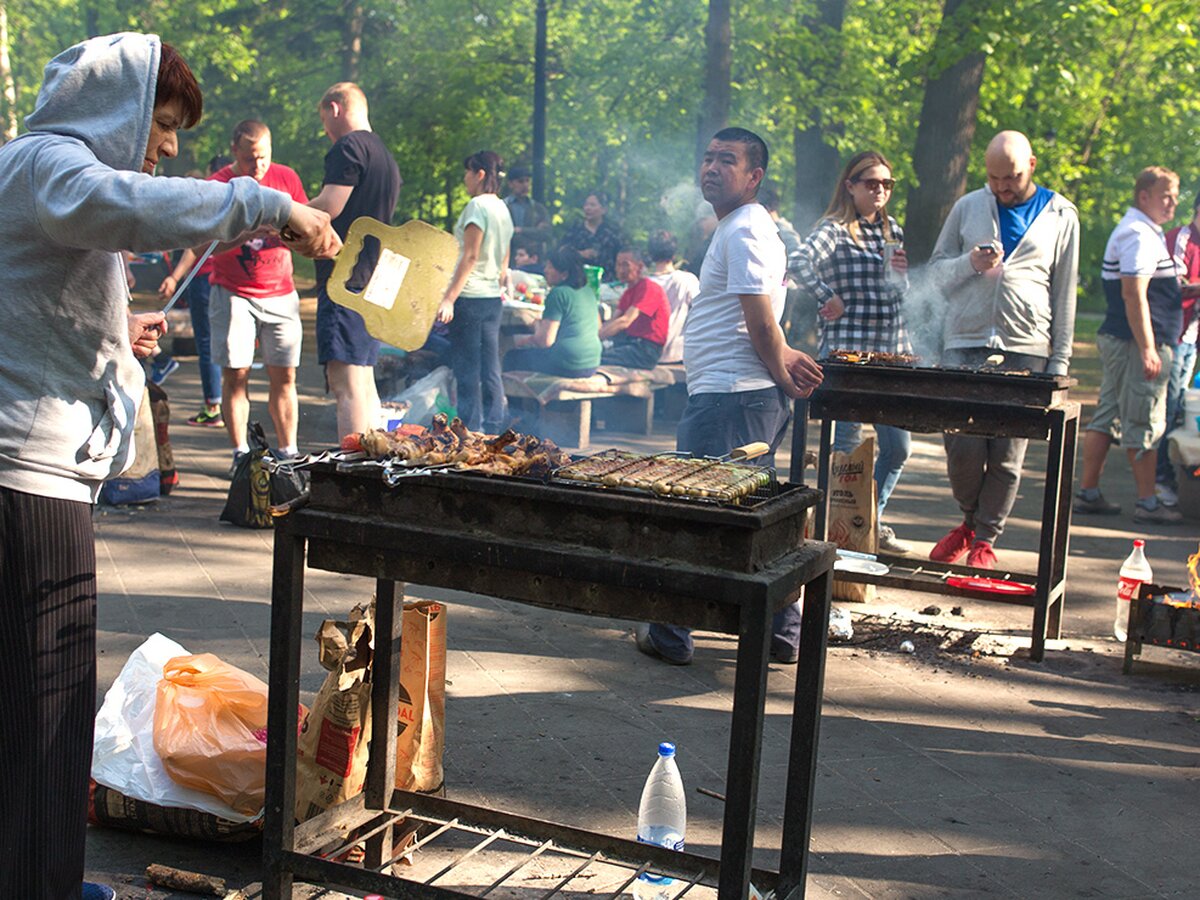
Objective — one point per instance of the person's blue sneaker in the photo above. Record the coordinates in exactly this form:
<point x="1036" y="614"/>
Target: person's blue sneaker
<point x="159" y="373"/>
<point x="93" y="891"/>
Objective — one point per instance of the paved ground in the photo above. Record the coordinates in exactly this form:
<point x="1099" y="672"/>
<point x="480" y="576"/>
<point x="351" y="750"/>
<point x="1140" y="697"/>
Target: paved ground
<point x="960" y="770"/>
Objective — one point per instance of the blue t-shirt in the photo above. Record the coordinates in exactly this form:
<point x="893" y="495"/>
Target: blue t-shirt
<point x="1015" y="220"/>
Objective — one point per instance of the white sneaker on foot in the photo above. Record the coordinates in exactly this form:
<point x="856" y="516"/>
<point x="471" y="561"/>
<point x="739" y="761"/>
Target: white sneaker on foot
<point x="1166" y="495"/>
<point x="888" y="542"/>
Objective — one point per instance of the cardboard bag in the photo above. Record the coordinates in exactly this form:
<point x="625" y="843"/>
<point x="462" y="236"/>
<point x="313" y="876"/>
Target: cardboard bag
<point x="335" y="740"/>
<point x="421" y="730"/>
<point x="331" y="751"/>
<point x="852" y="512"/>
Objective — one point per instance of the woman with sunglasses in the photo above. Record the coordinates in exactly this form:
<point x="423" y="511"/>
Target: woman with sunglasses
<point x="860" y="300"/>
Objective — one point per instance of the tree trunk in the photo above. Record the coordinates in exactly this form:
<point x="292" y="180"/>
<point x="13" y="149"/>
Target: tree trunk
<point x="91" y="20"/>
<point x="352" y="35"/>
<point x="6" y="80"/>
<point x="945" y="131"/>
<point x="718" y="66"/>
<point x="816" y="162"/>
<point x="539" y="105"/>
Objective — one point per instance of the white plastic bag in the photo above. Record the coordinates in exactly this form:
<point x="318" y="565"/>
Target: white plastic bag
<point x="422" y="396"/>
<point x="123" y="755"/>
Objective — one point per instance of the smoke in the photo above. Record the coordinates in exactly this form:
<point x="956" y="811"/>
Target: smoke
<point x="924" y="310"/>
<point x="682" y="206"/>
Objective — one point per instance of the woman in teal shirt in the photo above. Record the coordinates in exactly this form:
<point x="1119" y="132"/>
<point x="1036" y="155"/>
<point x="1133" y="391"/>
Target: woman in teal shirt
<point x="567" y="339"/>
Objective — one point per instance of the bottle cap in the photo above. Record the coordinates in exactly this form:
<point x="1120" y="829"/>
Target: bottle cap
<point x="1139" y="543"/>
<point x="666" y="748"/>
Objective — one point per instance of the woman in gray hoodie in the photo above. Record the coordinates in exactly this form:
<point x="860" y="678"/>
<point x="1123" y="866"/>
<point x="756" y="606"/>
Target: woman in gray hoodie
<point x="78" y="188"/>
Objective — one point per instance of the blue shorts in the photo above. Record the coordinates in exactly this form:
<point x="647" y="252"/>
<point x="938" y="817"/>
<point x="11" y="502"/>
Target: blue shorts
<point x="342" y="335"/>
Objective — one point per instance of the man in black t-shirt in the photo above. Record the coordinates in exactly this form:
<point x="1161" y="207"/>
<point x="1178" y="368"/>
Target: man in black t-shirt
<point x="361" y="179"/>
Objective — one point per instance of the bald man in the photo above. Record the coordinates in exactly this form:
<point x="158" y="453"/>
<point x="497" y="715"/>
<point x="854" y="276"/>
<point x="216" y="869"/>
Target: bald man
<point x="1006" y="261"/>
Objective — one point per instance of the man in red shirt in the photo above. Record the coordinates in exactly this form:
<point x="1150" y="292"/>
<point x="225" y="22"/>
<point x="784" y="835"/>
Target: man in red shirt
<point x="639" y="329"/>
<point x="253" y="298"/>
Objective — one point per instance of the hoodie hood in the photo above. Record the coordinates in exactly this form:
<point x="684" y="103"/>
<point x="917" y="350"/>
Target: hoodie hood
<point x="101" y="92"/>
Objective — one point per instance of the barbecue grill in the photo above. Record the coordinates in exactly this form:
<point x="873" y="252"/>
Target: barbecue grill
<point x="606" y="550"/>
<point x="987" y="402"/>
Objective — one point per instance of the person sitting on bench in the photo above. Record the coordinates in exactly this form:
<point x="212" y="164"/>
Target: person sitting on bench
<point x="639" y="329"/>
<point x="567" y="340"/>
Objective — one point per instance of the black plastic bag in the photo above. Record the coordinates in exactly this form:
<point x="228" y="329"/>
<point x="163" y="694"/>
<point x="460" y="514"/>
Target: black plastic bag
<point x="254" y="490"/>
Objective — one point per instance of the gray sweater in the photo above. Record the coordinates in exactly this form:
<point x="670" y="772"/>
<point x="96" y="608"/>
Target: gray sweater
<point x="1030" y="307"/>
<point x="74" y="195"/>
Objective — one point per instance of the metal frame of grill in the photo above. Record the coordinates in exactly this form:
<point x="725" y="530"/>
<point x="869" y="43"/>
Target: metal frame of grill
<point x="451" y="531"/>
<point x="983" y="403"/>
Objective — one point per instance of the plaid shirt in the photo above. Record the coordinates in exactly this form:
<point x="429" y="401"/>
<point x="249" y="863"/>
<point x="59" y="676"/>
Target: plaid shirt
<point x="830" y="262"/>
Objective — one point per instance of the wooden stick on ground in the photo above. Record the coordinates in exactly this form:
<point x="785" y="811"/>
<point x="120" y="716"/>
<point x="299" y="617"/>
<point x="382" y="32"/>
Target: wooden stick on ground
<point x="178" y="879"/>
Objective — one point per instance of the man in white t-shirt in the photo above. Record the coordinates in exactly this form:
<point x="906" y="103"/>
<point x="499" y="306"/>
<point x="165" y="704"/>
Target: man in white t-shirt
<point x="740" y="371"/>
<point x="1136" y="341"/>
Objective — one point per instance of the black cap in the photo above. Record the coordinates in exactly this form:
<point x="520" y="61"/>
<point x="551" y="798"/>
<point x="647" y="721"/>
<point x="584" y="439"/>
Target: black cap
<point x="516" y="173"/>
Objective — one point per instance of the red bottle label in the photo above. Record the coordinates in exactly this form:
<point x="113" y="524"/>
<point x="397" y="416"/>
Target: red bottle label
<point x="1127" y="587"/>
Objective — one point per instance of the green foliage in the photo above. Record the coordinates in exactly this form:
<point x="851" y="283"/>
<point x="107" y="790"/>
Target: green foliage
<point x="1102" y="87"/>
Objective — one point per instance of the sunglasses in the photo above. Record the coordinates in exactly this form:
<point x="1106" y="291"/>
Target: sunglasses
<point x="874" y="184"/>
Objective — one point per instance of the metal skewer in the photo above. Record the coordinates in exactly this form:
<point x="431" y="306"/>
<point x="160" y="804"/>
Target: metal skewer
<point x="190" y="275"/>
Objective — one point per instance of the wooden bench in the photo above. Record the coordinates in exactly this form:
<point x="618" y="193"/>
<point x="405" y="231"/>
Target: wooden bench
<point x="624" y="398"/>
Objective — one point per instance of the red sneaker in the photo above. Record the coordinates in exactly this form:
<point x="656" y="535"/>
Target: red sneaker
<point x="981" y="556"/>
<point x="952" y="547"/>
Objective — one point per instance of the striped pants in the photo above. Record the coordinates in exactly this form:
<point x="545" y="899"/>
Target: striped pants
<point x="47" y="692"/>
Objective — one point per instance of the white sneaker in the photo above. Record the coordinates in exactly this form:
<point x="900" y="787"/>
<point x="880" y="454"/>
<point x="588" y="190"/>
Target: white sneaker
<point x="1166" y="495"/>
<point x="888" y="542"/>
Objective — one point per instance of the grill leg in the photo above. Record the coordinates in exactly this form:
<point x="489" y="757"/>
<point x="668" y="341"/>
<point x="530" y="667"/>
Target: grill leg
<point x="806" y="721"/>
<point x="824" y="453"/>
<point x="745" y="749"/>
<point x="799" y="440"/>
<point x="287" y="612"/>
<point x="385" y="699"/>
<point x="1052" y="547"/>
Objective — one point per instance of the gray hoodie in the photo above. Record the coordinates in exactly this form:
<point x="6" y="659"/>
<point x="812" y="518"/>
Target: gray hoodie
<point x="74" y="195"/>
<point x="1030" y="306"/>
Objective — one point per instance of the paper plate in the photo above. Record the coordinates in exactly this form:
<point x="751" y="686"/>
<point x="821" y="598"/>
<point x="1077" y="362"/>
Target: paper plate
<point x="992" y="585"/>
<point x="861" y="566"/>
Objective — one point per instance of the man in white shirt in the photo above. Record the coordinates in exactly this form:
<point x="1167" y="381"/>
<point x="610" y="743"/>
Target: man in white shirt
<point x="740" y="371"/>
<point x="1136" y="341"/>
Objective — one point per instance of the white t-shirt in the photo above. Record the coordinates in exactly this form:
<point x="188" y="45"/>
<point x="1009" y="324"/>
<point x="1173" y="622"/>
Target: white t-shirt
<point x="490" y="213"/>
<point x="681" y="288"/>
<point x="745" y="256"/>
<point x="1137" y="247"/>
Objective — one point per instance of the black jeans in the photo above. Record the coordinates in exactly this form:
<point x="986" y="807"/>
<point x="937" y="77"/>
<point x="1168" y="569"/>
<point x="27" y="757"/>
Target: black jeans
<point x="475" y="358"/>
<point x="48" y="685"/>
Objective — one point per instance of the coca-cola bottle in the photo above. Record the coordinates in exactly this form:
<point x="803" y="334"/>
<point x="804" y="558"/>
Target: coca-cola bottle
<point x="1135" y="572"/>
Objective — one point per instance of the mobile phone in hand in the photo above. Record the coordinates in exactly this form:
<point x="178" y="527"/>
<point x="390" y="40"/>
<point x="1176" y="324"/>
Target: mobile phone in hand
<point x="986" y="248"/>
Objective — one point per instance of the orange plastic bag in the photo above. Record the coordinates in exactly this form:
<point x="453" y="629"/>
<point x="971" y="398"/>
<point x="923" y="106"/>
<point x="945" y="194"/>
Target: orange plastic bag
<point x="210" y="729"/>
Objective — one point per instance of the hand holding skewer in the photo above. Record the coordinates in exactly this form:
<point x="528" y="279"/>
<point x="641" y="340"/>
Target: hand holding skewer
<point x="309" y="233"/>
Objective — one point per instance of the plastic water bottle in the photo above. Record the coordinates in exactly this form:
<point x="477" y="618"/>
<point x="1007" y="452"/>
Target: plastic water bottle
<point x="1135" y="572"/>
<point x="662" y="819"/>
